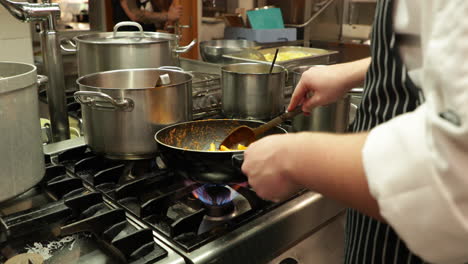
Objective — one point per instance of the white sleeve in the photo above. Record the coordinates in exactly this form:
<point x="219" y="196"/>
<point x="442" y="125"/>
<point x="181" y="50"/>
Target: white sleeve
<point x="417" y="164"/>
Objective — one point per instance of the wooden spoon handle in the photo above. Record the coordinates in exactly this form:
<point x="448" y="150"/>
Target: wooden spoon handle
<point x="276" y="121"/>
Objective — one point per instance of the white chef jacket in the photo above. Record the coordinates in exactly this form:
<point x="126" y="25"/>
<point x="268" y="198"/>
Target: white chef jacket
<point x="417" y="163"/>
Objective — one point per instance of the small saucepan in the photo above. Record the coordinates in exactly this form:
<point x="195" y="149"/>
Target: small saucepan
<point x="184" y="147"/>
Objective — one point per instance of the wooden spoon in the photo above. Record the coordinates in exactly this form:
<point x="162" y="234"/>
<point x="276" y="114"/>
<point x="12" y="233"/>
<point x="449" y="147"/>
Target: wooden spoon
<point x="245" y="135"/>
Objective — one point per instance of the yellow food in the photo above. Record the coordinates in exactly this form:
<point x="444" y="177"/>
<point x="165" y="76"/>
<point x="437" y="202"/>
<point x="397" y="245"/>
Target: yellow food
<point x="224" y="148"/>
<point x="286" y="55"/>
<point x="212" y="147"/>
<point x="241" y="147"/>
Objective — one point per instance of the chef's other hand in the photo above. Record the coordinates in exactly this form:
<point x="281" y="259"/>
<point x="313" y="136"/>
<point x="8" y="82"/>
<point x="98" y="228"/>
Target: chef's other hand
<point x="174" y="13"/>
<point x="266" y="166"/>
<point x="326" y="84"/>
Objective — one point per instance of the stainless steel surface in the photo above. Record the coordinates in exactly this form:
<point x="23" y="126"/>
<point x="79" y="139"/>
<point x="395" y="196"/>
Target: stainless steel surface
<point x="330" y="118"/>
<point x="126" y="50"/>
<point x="56" y="148"/>
<point x="266" y="237"/>
<point x="324" y="246"/>
<point x="249" y="92"/>
<point x="47" y="14"/>
<point x="97" y="15"/>
<point x="21" y="158"/>
<point x="122" y="110"/>
<point x="201" y="66"/>
<point x="213" y="50"/>
<point x="313" y="57"/>
<point x="321" y="8"/>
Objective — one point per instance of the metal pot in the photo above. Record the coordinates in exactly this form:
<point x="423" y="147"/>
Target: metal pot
<point x="184" y="147"/>
<point x="21" y="158"/>
<point x="328" y="118"/>
<point x="249" y="92"/>
<point x="122" y="109"/>
<point x="126" y="50"/>
<point x="213" y="50"/>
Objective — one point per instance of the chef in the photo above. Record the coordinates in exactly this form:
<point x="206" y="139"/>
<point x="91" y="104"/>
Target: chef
<point x="404" y="172"/>
<point x="151" y="14"/>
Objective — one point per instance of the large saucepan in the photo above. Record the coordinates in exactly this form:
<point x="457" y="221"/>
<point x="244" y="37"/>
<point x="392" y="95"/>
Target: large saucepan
<point x="333" y="117"/>
<point x="250" y="92"/>
<point x="106" y="51"/>
<point x="184" y="147"/>
<point x="122" y="109"/>
<point x="21" y="156"/>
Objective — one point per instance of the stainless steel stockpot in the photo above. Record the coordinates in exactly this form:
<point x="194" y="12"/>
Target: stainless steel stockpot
<point x="249" y="92"/>
<point x="122" y="109"/>
<point x="21" y="155"/>
<point x="333" y="117"/>
<point x="116" y="50"/>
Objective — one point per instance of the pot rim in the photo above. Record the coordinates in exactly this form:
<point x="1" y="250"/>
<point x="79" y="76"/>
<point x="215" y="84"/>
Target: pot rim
<point x="201" y="121"/>
<point x="149" y="38"/>
<point x="131" y="89"/>
<point x="19" y="80"/>
<point x="223" y="69"/>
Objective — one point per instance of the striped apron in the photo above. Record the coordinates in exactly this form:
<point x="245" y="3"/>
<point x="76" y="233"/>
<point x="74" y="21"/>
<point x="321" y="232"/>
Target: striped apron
<point x="388" y="92"/>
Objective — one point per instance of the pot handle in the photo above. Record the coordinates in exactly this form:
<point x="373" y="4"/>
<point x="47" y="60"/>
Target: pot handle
<point x="41" y="80"/>
<point x="128" y="23"/>
<point x="89" y="98"/>
<point x="184" y="49"/>
<point x="71" y="43"/>
<point x="237" y="160"/>
<point x="174" y="68"/>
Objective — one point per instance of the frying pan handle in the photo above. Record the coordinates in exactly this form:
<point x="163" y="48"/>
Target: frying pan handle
<point x="237" y="160"/>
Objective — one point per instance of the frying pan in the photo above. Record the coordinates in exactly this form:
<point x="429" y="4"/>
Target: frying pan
<point x="184" y="148"/>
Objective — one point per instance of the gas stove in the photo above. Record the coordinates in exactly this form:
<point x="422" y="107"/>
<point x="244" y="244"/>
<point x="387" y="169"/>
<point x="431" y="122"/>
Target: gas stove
<point x="89" y="209"/>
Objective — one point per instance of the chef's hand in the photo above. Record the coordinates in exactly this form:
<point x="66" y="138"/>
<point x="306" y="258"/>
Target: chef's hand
<point x="324" y="85"/>
<point x="174" y="13"/>
<point x="266" y="166"/>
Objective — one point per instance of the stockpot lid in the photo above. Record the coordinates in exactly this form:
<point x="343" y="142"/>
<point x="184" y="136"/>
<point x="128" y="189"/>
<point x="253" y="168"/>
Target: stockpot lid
<point x="126" y="37"/>
<point x="14" y="76"/>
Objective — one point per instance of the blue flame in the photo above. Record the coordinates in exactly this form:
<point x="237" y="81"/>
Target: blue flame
<point x="203" y="196"/>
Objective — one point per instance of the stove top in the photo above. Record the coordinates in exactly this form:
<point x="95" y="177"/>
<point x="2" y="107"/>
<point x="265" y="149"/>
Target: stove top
<point x="89" y="209"/>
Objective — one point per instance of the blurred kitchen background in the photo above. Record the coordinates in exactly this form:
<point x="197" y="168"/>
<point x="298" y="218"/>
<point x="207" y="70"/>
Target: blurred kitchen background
<point x="342" y="25"/>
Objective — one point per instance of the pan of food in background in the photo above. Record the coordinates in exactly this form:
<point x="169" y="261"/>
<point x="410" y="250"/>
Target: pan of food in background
<point x="288" y="56"/>
<point x="185" y="147"/>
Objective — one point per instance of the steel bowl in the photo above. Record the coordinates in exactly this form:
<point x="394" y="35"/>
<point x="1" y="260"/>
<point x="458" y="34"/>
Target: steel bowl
<point x="213" y="50"/>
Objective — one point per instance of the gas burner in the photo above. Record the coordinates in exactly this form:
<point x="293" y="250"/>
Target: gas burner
<point x="219" y="210"/>
<point x="141" y="168"/>
<point x="214" y="194"/>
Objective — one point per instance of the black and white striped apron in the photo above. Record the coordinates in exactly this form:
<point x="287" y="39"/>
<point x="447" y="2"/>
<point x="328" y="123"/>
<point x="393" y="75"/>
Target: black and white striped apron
<point x="388" y="92"/>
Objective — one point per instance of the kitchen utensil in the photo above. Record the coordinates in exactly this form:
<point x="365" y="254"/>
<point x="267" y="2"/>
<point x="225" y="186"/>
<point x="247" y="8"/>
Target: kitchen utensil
<point x="333" y="117"/>
<point x="274" y="60"/>
<point x="184" y="148"/>
<point x="122" y="109"/>
<point x="250" y="92"/>
<point x="106" y="51"/>
<point x="21" y="157"/>
<point x="245" y="135"/>
<point x="163" y="79"/>
<point x="213" y="50"/>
